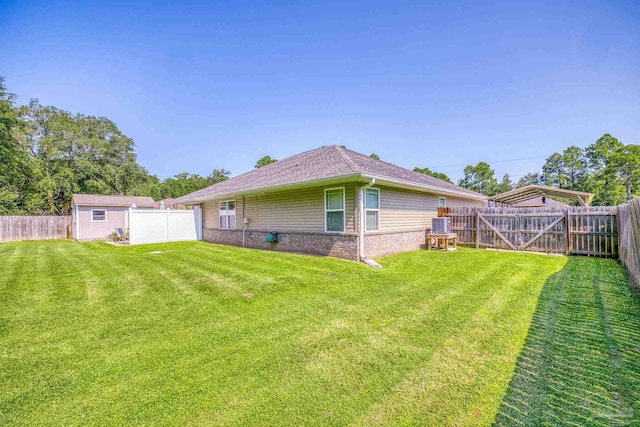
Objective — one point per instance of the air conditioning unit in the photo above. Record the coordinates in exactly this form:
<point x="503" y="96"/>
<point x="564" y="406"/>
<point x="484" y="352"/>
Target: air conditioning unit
<point x="440" y="225"/>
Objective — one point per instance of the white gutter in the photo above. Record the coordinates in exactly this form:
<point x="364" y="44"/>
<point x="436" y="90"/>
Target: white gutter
<point x="434" y="189"/>
<point x="361" y="227"/>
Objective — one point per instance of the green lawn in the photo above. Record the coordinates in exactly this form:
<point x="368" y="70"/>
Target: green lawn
<point x="581" y="362"/>
<point x="92" y="334"/>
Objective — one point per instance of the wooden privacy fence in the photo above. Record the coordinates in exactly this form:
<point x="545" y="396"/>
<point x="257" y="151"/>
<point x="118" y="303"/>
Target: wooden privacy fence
<point x="575" y="230"/>
<point x="15" y="228"/>
<point x="629" y="224"/>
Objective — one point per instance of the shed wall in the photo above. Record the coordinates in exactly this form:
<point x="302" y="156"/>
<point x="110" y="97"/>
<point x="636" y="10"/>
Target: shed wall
<point x="87" y="230"/>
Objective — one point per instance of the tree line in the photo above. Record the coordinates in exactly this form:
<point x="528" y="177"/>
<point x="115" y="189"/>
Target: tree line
<point x="48" y="154"/>
<point x="608" y="168"/>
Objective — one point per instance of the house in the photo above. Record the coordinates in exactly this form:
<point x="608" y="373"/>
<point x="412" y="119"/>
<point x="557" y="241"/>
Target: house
<point x="328" y="201"/>
<point x="540" y="202"/>
<point x="96" y="216"/>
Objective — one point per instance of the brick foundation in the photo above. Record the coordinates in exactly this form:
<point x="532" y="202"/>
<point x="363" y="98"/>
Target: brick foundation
<point x="335" y="245"/>
<point x="385" y="243"/>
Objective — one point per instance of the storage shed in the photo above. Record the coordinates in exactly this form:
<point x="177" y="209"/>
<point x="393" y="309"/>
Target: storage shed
<point x="96" y="216"/>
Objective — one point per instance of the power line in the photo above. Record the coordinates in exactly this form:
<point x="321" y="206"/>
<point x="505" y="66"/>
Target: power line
<point x="497" y="161"/>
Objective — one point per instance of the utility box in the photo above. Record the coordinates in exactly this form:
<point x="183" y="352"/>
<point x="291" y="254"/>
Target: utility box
<point x="441" y="225"/>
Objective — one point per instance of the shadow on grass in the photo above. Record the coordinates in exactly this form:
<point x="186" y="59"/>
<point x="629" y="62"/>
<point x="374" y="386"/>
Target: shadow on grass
<point x="581" y="361"/>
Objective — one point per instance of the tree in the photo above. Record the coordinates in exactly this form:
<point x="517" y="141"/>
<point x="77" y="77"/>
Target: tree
<point x="439" y="175"/>
<point x="566" y="170"/>
<point x="624" y="163"/>
<point x="598" y="152"/>
<point x="179" y="184"/>
<point x="529" y="179"/>
<point x="505" y="185"/>
<point x="182" y="183"/>
<point x="264" y="161"/>
<point x="218" y="175"/>
<point x="374" y="156"/>
<point x="71" y="153"/>
<point x="602" y="181"/>
<point x="13" y="167"/>
<point x="479" y="178"/>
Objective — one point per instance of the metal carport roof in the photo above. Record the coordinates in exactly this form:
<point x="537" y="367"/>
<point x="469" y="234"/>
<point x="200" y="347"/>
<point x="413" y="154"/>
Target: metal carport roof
<point x="531" y="191"/>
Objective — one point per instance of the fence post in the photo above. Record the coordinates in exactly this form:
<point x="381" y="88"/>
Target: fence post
<point x="168" y="224"/>
<point x="477" y="228"/>
<point x="567" y="227"/>
<point x="130" y="222"/>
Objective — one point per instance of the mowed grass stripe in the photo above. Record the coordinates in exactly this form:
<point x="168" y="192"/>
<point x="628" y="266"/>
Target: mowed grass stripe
<point x="581" y="364"/>
<point x="265" y="268"/>
<point x="468" y="368"/>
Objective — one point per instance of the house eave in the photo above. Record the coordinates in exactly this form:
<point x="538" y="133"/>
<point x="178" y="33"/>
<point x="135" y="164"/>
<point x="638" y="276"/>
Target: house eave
<point x="270" y="188"/>
<point x="105" y="205"/>
<point x="408" y="185"/>
<point x="337" y="179"/>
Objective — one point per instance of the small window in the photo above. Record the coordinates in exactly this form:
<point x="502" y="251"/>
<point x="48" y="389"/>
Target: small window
<point x="334" y="210"/>
<point x="228" y="215"/>
<point x="98" y="215"/>
<point x="442" y="202"/>
<point x="372" y="209"/>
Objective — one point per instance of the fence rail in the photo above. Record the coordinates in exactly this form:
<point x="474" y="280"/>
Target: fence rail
<point x="629" y="226"/>
<point x="575" y="230"/>
<point x="16" y="228"/>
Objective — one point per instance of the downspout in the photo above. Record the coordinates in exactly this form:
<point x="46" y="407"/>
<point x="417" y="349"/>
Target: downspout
<point x="244" y="230"/>
<point x="362" y="217"/>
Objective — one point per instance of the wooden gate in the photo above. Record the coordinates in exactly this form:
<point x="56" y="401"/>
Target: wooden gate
<point x="539" y="232"/>
<point x="589" y="230"/>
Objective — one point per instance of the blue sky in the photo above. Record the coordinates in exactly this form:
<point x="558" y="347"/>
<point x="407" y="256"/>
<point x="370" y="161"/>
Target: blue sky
<point x="429" y="84"/>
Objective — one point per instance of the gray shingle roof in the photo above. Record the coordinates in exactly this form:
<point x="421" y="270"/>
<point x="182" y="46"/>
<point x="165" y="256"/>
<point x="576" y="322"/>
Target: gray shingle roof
<point x="106" y="200"/>
<point x="322" y="163"/>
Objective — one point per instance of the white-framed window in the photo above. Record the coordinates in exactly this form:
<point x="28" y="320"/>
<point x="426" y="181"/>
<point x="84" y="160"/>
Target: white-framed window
<point x="98" y="215"/>
<point x="334" y="210"/>
<point x="442" y="202"/>
<point x="228" y="215"/>
<point x="372" y="209"/>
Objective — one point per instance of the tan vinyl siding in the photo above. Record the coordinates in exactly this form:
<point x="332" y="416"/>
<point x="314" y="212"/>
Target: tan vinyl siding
<point x="406" y="210"/>
<point x="454" y="202"/>
<point x="292" y="210"/>
<point x="403" y="210"/>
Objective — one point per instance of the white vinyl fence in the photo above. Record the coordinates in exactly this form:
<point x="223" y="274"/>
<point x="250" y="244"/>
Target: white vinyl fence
<point x="164" y="225"/>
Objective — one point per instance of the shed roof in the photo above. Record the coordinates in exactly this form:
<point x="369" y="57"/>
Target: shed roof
<point x="539" y="202"/>
<point x="108" y="200"/>
<point x="322" y="165"/>
<point x="531" y="191"/>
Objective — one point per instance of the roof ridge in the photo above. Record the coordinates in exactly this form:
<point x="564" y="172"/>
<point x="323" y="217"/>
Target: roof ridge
<point x="319" y="164"/>
<point x="347" y="159"/>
